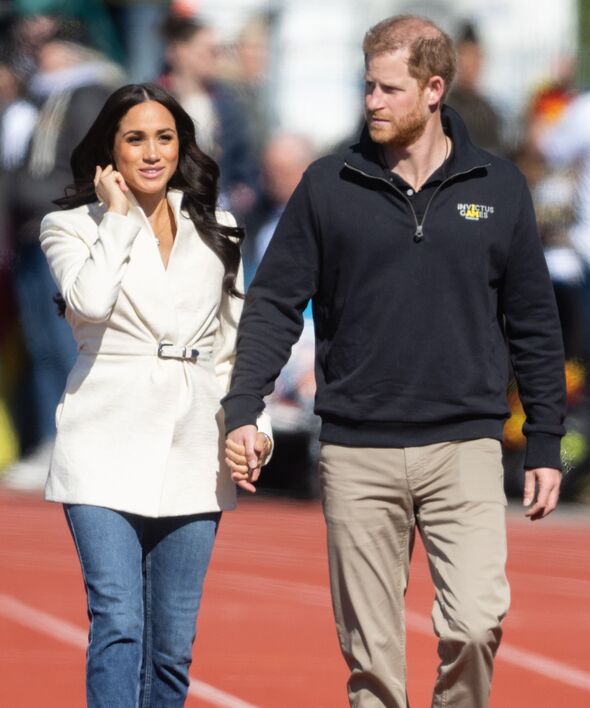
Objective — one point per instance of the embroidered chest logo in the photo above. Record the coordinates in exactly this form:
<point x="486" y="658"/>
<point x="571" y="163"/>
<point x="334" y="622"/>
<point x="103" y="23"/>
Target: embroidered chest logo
<point x="475" y="212"/>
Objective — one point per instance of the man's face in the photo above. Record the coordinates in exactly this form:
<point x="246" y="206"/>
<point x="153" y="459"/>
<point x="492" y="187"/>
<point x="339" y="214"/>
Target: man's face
<point x="396" y="108"/>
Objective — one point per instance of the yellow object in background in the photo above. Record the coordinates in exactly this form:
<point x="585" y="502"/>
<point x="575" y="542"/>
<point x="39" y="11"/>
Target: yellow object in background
<point x="8" y="441"/>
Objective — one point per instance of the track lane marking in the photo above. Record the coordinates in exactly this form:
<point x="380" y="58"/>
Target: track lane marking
<point x="64" y="631"/>
<point x="319" y="596"/>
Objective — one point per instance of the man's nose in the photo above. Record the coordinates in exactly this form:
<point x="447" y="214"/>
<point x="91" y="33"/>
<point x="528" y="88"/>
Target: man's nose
<point x="374" y="99"/>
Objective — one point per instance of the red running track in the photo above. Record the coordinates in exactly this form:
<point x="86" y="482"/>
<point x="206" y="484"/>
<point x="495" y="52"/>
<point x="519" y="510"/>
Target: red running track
<point x="266" y="638"/>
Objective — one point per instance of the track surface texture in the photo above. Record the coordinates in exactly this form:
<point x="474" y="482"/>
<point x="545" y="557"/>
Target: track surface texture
<point x="266" y="637"/>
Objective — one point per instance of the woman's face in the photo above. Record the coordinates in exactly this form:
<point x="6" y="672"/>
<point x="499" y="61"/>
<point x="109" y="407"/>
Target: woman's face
<point x="146" y="148"/>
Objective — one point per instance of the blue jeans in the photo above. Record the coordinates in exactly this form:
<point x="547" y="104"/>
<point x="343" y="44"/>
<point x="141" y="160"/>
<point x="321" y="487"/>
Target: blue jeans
<point x="144" y="579"/>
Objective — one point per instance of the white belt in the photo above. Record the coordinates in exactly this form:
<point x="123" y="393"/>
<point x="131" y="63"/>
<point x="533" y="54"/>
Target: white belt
<point x="163" y="350"/>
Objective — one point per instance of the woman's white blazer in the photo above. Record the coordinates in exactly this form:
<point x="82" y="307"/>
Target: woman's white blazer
<point x="137" y="432"/>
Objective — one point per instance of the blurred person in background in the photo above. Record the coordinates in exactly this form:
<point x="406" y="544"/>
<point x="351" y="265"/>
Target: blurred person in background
<point x="192" y="54"/>
<point x="150" y="275"/>
<point x="69" y="88"/>
<point x="90" y="14"/>
<point x="482" y="121"/>
<point x="284" y="160"/>
<point x="564" y="144"/>
<point x="420" y="254"/>
<point x="17" y="121"/>
<point x="137" y="23"/>
<point x="18" y="117"/>
<point x="246" y="71"/>
<point x="553" y="188"/>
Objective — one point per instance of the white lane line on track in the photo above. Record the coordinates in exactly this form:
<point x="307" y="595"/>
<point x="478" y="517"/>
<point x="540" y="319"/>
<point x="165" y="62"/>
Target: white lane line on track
<point x="59" y="629"/>
<point x="319" y="596"/>
<point x="537" y="663"/>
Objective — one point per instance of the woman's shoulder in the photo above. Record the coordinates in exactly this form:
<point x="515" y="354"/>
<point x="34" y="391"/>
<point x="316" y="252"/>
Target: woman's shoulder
<point x="82" y="217"/>
<point x="225" y="218"/>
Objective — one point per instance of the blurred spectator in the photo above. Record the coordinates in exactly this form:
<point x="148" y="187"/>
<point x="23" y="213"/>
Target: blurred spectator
<point x="22" y="40"/>
<point x="69" y="88"/>
<point x="482" y="121"/>
<point x="192" y="53"/>
<point x="553" y="191"/>
<point x="284" y="160"/>
<point x="565" y="145"/>
<point x="90" y="14"/>
<point x="18" y="117"/>
<point x="16" y="122"/>
<point x="138" y="23"/>
<point x="247" y="73"/>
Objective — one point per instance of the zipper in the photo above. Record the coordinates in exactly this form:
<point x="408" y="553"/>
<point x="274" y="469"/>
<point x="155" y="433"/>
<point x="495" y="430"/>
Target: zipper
<point x="419" y="232"/>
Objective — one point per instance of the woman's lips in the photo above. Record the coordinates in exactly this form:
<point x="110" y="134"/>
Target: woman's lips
<point x="151" y="172"/>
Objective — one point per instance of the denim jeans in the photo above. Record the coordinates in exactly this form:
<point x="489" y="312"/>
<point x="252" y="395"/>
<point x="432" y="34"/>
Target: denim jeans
<point x="144" y="579"/>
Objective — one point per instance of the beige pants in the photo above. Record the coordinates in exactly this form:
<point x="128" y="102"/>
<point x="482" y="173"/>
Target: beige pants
<point x="373" y="500"/>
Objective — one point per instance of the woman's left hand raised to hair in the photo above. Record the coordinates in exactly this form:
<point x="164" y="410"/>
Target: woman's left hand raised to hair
<point x="111" y="189"/>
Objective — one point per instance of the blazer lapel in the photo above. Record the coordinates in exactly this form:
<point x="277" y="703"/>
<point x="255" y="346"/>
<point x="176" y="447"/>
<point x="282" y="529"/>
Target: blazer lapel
<point x="145" y="283"/>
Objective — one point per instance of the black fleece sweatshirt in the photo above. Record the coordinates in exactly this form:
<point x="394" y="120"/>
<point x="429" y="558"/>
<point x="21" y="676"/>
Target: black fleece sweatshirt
<point x="414" y="313"/>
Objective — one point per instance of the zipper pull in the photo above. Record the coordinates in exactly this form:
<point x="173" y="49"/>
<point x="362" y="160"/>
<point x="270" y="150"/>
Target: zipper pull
<point x="419" y="233"/>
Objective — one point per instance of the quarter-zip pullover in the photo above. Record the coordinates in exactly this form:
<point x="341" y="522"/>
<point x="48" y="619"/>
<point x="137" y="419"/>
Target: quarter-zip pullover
<point x="415" y="310"/>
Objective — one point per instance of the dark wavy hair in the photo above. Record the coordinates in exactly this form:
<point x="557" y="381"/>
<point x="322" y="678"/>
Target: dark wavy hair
<point x="197" y="174"/>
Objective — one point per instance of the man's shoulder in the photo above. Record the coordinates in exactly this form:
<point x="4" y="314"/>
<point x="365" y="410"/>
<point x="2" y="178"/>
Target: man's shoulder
<point x="327" y="166"/>
<point x="501" y="168"/>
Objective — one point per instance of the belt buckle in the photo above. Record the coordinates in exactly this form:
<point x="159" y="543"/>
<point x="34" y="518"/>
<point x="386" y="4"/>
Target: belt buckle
<point x="178" y="351"/>
<point x="161" y="350"/>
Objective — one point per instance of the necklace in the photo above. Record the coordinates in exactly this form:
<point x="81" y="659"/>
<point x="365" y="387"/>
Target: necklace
<point x="158" y="234"/>
<point x="429" y="172"/>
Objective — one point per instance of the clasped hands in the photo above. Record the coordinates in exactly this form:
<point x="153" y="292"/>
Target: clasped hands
<point x="246" y="451"/>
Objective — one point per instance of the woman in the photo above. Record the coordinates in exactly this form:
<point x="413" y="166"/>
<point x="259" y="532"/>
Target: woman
<point x="150" y="275"/>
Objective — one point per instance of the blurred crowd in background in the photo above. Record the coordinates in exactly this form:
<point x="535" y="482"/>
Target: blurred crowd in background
<point x="59" y="60"/>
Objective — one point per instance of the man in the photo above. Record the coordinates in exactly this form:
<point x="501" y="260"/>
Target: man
<point x="421" y="257"/>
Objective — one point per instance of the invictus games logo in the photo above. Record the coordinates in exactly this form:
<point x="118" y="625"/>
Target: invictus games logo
<point x="475" y="212"/>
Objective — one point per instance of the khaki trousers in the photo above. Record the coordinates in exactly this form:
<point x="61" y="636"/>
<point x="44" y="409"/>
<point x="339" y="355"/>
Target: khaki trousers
<point x="373" y="500"/>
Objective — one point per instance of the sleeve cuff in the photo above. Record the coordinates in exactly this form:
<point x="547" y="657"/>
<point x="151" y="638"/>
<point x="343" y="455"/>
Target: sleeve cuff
<point x="543" y="450"/>
<point x="263" y="423"/>
<point x="241" y="410"/>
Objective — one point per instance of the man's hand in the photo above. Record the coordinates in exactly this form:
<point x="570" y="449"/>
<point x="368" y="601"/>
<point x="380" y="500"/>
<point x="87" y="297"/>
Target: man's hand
<point x="547" y="481"/>
<point x="245" y="452"/>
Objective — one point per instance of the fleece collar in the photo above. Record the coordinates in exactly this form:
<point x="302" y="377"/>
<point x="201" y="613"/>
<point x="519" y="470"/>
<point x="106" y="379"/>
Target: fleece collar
<point x="366" y="155"/>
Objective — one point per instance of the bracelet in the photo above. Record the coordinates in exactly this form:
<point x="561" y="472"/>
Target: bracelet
<point x="269" y="441"/>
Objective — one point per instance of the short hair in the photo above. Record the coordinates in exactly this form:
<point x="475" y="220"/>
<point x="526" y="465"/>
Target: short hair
<point x="180" y="29"/>
<point x="431" y="51"/>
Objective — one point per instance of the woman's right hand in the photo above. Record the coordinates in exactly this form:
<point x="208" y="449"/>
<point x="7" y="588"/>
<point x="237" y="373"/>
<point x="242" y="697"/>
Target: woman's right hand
<point x="111" y="189"/>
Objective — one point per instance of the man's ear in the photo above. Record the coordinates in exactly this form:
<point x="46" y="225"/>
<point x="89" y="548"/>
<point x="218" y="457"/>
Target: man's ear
<point x="435" y="90"/>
